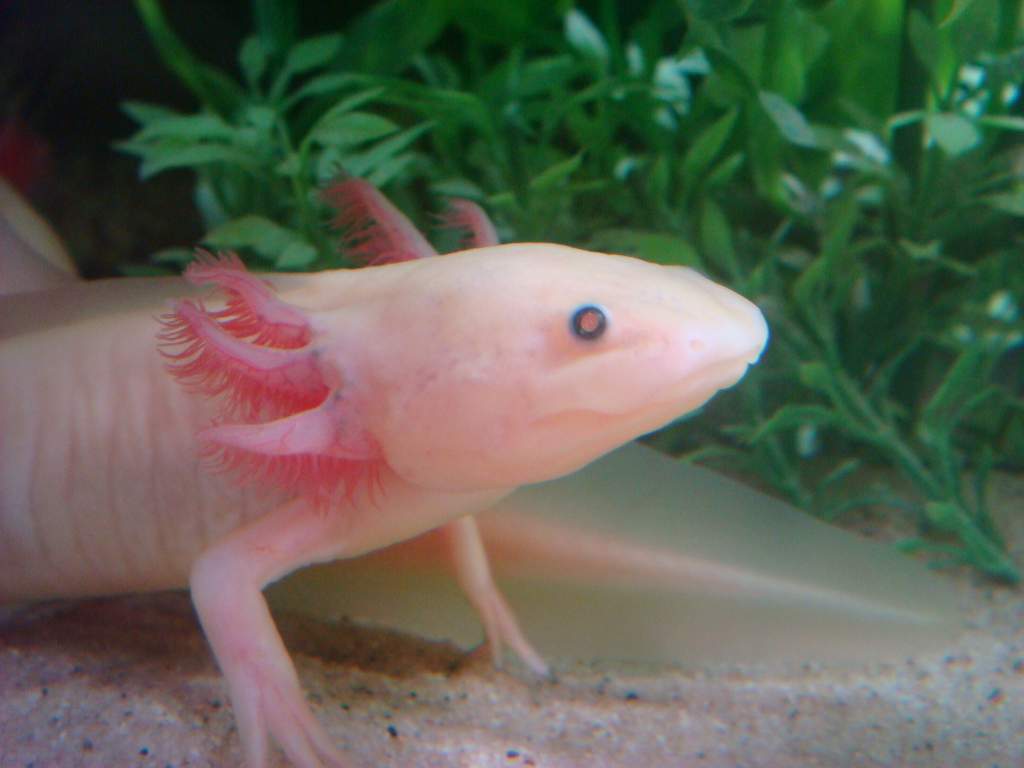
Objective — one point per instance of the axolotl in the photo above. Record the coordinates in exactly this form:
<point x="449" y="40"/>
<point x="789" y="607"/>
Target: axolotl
<point x="360" y="408"/>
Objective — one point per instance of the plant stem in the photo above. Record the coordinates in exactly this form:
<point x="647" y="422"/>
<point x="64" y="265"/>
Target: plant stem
<point x="180" y="60"/>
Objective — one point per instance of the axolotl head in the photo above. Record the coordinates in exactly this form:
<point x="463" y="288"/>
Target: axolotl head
<point x="519" y="363"/>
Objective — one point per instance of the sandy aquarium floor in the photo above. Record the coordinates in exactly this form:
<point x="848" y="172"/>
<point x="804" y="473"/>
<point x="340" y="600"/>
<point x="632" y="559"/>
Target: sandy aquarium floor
<point x="129" y="682"/>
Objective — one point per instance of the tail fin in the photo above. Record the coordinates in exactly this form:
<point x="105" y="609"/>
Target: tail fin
<point x="639" y="558"/>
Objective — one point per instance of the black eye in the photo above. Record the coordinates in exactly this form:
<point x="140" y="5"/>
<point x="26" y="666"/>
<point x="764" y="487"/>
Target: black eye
<point x="588" y="322"/>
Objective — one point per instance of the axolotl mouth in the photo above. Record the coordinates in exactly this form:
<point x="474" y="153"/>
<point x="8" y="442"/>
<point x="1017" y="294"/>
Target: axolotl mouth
<point x="661" y="408"/>
<point x="736" y="346"/>
<point x="713" y="351"/>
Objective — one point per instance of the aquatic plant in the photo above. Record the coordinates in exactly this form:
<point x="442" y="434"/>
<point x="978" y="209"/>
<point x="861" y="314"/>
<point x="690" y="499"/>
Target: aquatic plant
<point x="855" y="167"/>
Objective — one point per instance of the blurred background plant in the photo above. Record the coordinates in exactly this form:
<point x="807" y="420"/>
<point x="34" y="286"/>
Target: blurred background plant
<point x="854" y="166"/>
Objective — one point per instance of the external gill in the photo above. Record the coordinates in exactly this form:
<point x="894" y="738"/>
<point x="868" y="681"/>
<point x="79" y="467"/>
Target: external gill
<point x="298" y="433"/>
<point x="255" y="379"/>
<point x="317" y="454"/>
<point x="252" y="311"/>
<point x="373" y="230"/>
<point x="469" y="218"/>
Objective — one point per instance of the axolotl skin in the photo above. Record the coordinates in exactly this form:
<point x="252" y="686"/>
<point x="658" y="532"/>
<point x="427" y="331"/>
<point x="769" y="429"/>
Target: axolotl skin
<point x="359" y="408"/>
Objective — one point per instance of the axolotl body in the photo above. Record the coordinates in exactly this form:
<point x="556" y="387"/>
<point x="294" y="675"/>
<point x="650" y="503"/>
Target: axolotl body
<point x="376" y="404"/>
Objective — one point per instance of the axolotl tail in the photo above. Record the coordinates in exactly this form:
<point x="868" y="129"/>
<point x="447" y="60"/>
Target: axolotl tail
<point x="639" y="557"/>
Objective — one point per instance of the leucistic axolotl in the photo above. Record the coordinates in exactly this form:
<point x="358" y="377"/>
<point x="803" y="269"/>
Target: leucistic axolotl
<point x="357" y="409"/>
<point x="376" y="404"/>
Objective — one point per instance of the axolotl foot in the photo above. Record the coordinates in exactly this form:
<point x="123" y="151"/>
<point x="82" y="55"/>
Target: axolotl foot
<point x="270" y="705"/>
<point x="226" y="583"/>
<point x="502" y="629"/>
<point x="474" y="576"/>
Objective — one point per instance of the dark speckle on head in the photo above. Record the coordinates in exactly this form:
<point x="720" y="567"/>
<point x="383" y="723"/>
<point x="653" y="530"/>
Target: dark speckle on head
<point x="589" y="322"/>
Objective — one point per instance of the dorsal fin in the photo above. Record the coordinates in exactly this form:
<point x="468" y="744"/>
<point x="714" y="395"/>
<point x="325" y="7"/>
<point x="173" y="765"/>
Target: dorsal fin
<point x="469" y="218"/>
<point x="373" y="230"/>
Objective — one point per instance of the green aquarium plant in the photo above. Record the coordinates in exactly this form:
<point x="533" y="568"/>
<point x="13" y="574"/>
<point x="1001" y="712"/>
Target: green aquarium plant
<point x="856" y="167"/>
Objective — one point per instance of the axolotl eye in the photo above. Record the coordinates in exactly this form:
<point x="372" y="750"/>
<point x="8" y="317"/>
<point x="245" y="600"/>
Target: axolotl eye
<point x="588" y="322"/>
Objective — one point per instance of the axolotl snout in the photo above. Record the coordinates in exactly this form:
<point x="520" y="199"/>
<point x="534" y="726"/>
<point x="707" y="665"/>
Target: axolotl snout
<point x="378" y="404"/>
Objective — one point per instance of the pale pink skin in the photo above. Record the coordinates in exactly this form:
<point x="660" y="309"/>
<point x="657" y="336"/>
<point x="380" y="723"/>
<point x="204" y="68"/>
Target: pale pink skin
<point x="463" y="371"/>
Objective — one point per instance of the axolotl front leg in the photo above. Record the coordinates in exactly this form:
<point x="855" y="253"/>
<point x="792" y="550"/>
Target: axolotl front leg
<point x="227" y="582"/>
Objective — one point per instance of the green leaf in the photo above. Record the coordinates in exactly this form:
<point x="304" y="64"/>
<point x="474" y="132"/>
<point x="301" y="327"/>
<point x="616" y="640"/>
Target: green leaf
<point x="902" y="120"/>
<point x="187" y="128"/>
<point x="324" y="84"/>
<point x="391" y="169"/>
<point x="162" y="157"/>
<point x="265" y="237"/>
<point x="276" y="22"/>
<point x="728" y="82"/>
<point x="824" y="272"/>
<point x="509" y="24"/>
<point x="347" y="104"/>
<point x="312" y="52"/>
<point x="545" y="75"/>
<point x="308" y="54"/>
<point x="179" y="257"/>
<point x="711" y="453"/>
<point x="291" y="165"/>
<point x="144" y="113"/>
<point x="816" y="376"/>
<point x="932" y="252"/>
<point x="793" y="417"/>
<point x="351" y="128"/>
<point x="456" y="107"/>
<point x="842" y="471"/>
<point x="657" y="247"/>
<point x="956" y="10"/>
<point x="296" y="255"/>
<point x="386" y="37"/>
<point x="457" y="187"/>
<point x="716" y="10"/>
<point x="955" y="134"/>
<point x="555" y="174"/>
<point x="1003" y="122"/>
<point x="961" y="381"/>
<point x="706" y="146"/>
<point x="327" y="165"/>
<point x="363" y="164"/>
<point x="252" y="58"/>
<point x="982" y="551"/>
<point x="1011" y="203"/>
<point x="208" y="203"/>
<point x="716" y="238"/>
<point x="585" y="38"/>
<point x="723" y="173"/>
<point x="788" y="119"/>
